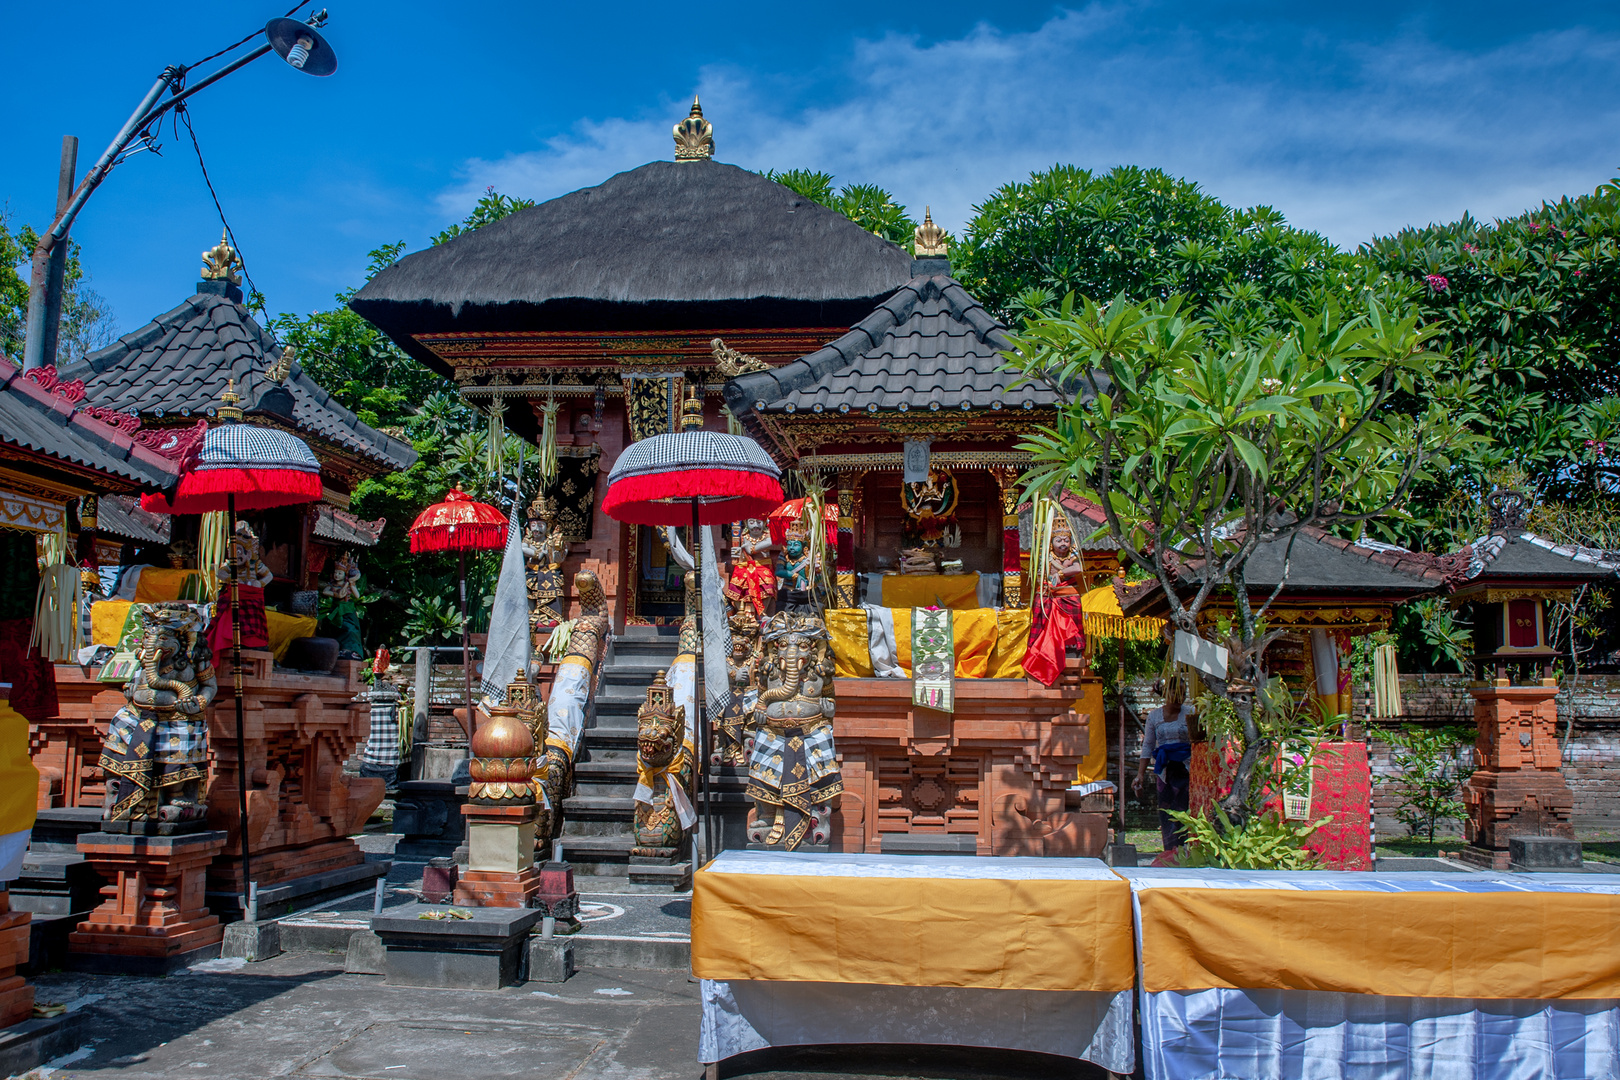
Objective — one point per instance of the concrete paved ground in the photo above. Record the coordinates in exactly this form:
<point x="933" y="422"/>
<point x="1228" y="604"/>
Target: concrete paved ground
<point x="299" y="1015"/>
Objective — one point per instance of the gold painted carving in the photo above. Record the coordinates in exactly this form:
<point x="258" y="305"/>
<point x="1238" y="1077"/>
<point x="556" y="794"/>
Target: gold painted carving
<point x="220" y="261"/>
<point x="928" y="241"/>
<point x="694" y="136"/>
<point x="731" y="363"/>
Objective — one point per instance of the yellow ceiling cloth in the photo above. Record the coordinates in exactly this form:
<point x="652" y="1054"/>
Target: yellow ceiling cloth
<point x="990" y="642"/>
<point x="1104" y="619"/>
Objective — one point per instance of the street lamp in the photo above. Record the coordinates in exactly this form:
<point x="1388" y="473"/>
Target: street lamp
<point x="295" y="42"/>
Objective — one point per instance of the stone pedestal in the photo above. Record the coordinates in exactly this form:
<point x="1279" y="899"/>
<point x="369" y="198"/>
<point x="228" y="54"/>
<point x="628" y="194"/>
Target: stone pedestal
<point x="427" y="814"/>
<point x="16" y="996"/>
<point x="484" y="952"/>
<point x="1517" y="789"/>
<point x="500" y="856"/>
<point x="155" y="919"/>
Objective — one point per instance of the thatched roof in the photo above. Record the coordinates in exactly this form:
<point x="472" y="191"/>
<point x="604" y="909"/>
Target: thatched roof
<point x="670" y="245"/>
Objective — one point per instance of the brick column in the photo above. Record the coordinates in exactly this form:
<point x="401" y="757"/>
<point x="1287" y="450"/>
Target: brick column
<point x="1517" y="788"/>
<point x="16" y="996"/>
<point x="155" y="918"/>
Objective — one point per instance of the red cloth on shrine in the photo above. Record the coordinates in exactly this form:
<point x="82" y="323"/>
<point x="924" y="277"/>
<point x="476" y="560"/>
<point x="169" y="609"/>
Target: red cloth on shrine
<point x="1057" y="622"/>
<point x="32" y="677"/>
<point x="1342" y="789"/>
<point x="255" y="626"/>
<point x="754" y="580"/>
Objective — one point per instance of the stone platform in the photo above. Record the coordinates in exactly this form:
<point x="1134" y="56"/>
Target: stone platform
<point x="155" y="918"/>
<point x="483" y="952"/>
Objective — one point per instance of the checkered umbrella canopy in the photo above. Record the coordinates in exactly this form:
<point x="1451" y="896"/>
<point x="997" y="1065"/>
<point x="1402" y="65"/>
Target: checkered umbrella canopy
<point x="656" y="480"/>
<point x="262" y="467"/>
<point x="460" y="523"/>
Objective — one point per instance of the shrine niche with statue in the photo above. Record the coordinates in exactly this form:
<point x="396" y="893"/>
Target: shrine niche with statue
<point x="909" y="428"/>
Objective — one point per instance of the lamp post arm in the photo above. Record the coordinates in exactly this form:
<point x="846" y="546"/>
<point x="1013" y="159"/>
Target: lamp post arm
<point x="34" y="347"/>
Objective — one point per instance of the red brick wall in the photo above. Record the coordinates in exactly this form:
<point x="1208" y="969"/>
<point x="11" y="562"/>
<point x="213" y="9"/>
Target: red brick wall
<point x="1591" y="759"/>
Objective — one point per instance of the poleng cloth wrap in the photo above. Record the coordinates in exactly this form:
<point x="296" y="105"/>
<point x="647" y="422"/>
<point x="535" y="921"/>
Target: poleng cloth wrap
<point x="930" y="590"/>
<point x="995" y="933"/>
<point x="1515" y="945"/>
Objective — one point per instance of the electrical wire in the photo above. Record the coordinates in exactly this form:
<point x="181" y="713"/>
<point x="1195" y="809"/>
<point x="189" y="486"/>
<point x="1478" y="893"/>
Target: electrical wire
<point x="239" y="44"/>
<point x="182" y="114"/>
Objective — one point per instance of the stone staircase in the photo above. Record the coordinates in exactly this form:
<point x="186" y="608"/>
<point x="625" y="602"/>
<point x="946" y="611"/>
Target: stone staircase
<point x="599" y="818"/>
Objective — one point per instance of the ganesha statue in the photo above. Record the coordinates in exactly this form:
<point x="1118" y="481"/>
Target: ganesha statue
<point x="155" y="754"/>
<point x="665" y="761"/>
<point x="793" y="776"/>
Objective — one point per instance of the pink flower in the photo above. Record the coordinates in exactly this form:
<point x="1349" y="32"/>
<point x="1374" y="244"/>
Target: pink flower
<point x="1577" y="273"/>
<point x="1438" y="282"/>
<point x="1299" y="759"/>
<point x="1472" y="249"/>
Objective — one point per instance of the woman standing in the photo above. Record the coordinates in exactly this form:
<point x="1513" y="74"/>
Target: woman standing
<point x="1166" y="743"/>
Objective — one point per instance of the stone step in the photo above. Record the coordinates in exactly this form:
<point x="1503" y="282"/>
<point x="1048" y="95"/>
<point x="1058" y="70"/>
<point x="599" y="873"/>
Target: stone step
<point x="607" y="828"/>
<point x="599" y="807"/>
<point x="604" y="770"/>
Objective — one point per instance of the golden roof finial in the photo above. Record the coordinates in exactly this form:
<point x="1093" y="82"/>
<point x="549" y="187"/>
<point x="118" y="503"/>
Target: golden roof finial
<point x="692" y="413"/>
<point x="221" y="261"/>
<point x="928" y="242"/>
<point x="228" y="407"/>
<point x="281" y="368"/>
<point x="694" y="136"/>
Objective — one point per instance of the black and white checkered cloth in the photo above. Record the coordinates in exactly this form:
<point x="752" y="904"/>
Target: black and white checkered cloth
<point x="693" y="450"/>
<point x="382" y="749"/>
<point x="247" y="446"/>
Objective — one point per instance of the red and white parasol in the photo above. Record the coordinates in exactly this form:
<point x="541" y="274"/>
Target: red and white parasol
<point x="461" y="524"/>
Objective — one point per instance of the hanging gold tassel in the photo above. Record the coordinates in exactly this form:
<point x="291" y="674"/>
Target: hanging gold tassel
<point x="496" y="438"/>
<point x="548" y="441"/>
<point x="821" y="560"/>
<point x="213" y="545"/>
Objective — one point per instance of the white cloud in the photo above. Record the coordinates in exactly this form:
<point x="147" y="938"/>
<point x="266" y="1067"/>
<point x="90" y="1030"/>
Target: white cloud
<point x="1348" y="136"/>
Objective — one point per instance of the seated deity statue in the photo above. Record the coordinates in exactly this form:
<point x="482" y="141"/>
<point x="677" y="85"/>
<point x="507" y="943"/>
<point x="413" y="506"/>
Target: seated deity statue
<point x="343" y="587"/>
<point x="793" y="775"/>
<point x="155" y="754"/>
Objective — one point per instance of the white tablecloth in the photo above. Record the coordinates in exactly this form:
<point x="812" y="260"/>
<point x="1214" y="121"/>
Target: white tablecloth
<point x="744" y="1015"/>
<point x="1317" y="1035"/>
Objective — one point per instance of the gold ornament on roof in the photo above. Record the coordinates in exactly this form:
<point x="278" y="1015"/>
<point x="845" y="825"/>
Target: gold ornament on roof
<point x="694" y="136"/>
<point x="228" y="407"/>
<point x="220" y="262"/>
<point x="731" y="363"/>
<point x="282" y="367"/>
<point x="928" y="241"/>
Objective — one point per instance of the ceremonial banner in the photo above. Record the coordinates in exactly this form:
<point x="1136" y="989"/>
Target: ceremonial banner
<point x="933" y="657"/>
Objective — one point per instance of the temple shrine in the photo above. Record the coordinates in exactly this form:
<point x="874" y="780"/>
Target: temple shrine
<point x="873" y="379"/>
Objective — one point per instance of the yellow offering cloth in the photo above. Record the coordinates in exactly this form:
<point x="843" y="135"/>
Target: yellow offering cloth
<point x="1064" y="926"/>
<point x="107" y="618"/>
<point x="157" y="584"/>
<point x="1536" y="945"/>
<point x="19" y="780"/>
<point x="989" y="643"/>
<point x="931" y="590"/>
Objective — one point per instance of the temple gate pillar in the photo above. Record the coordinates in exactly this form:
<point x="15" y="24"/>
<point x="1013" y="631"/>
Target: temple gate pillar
<point x="1517" y="789"/>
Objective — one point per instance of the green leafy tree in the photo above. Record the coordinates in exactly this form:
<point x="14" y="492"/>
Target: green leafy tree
<point x="490" y="208"/>
<point x="1200" y="443"/>
<point x="867" y="205"/>
<point x="1432" y="771"/>
<point x="1146" y="235"/>
<point x="87" y="319"/>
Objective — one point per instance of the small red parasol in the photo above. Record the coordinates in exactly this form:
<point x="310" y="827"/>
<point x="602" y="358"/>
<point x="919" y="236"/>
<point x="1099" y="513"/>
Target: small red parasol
<point x="241" y="466"/>
<point x="460" y="524"/>
<point x="793" y="510"/>
<point x="694" y="477"/>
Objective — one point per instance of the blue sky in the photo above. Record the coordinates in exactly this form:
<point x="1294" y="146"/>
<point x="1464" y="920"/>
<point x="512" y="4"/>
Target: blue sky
<point x="1352" y="119"/>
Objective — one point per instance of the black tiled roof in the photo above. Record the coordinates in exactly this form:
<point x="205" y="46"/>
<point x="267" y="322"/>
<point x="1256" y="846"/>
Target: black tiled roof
<point x="930" y="346"/>
<point x="1523" y="556"/>
<point x="121" y="515"/>
<point x="180" y="362"/>
<point x="341" y="527"/>
<point x="33" y="418"/>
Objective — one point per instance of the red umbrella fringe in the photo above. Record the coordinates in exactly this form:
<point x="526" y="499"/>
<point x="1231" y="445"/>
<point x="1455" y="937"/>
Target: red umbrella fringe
<point x="206" y="490"/>
<point x="477" y="537"/>
<point x="666" y="498"/>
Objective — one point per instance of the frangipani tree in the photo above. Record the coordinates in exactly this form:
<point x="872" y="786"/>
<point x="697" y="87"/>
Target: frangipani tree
<point x="1200" y="445"/>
